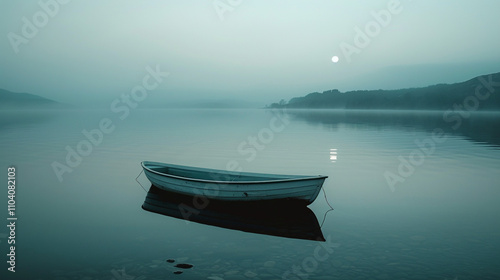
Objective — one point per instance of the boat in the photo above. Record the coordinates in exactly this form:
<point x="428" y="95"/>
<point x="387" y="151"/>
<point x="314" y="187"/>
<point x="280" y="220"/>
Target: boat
<point x="274" y="220"/>
<point x="232" y="185"/>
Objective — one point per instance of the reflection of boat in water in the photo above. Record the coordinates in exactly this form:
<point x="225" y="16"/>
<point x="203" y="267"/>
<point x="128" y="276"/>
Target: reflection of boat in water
<point x="233" y="186"/>
<point x="285" y="219"/>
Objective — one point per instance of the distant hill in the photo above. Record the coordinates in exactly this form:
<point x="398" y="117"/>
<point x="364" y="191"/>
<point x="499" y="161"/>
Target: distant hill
<point x="15" y="100"/>
<point x="436" y="97"/>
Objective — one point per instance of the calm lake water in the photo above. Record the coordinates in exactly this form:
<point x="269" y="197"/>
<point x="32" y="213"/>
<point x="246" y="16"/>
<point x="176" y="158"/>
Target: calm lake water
<point x="414" y="196"/>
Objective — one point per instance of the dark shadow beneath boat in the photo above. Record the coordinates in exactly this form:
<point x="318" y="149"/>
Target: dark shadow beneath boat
<point x="277" y="218"/>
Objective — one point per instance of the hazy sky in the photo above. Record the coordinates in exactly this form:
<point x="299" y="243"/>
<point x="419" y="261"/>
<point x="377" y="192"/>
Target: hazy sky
<point x="91" y="52"/>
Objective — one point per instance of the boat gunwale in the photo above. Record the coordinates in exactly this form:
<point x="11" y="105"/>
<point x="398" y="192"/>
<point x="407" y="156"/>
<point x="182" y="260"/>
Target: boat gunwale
<point x="302" y="178"/>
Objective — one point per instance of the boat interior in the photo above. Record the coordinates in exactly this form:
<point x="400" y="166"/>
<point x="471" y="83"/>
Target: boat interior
<point x="213" y="176"/>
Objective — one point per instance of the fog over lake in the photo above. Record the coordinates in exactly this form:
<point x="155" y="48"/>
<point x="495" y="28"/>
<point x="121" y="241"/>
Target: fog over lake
<point x="231" y="140"/>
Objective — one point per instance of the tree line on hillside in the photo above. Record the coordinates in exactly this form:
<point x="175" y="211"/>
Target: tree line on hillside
<point x="480" y="93"/>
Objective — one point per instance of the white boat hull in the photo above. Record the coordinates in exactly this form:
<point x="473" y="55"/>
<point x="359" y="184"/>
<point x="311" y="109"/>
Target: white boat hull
<point x="233" y="186"/>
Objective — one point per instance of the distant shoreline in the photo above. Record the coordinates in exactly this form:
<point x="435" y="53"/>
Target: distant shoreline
<point x="478" y="94"/>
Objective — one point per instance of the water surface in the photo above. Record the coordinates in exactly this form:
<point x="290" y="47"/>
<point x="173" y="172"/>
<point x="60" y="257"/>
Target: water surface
<point x="439" y="222"/>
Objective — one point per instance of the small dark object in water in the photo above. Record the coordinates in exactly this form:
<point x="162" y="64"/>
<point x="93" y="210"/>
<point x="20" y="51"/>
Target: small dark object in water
<point x="177" y="272"/>
<point x="184" y="265"/>
<point x="170" y="260"/>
